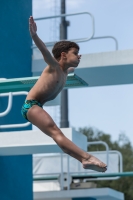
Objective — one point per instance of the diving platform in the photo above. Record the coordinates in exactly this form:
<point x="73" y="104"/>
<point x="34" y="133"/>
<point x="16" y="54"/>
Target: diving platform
<point x="98" y="69"/>
<point x="92" y="193"/>
<point x="36" y="142"/>
<point x="107" y="68"/>
<point x="90" y="176"/>
<point x="25" y="84"/>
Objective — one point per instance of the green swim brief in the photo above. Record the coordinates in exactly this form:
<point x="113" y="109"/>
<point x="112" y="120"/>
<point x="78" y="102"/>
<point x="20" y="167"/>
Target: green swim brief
<point x="27" y="105"/>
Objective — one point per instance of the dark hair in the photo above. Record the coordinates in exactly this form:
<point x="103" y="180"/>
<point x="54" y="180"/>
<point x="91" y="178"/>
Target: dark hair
<point x="63" y="46"/>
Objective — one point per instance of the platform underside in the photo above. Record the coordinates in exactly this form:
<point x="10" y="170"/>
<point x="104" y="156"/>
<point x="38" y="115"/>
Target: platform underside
<point x="25" y="84"/>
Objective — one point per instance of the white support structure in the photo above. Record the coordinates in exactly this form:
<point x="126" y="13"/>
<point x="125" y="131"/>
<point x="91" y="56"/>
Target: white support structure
<point x="36" y="142"/>
<point x="99" y="69"/>
<point x="96" y="193"/>
<point x="107" y="68"/>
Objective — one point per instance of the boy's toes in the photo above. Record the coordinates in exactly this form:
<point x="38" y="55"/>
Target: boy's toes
<point x="103" y="165"/>
<point x="97" y="168"/>
<point x="94" y="164"/>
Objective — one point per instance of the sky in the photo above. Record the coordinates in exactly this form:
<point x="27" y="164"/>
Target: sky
<point x="107" y="108"/>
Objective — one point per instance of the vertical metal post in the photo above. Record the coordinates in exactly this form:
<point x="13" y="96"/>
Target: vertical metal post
<point x="68" y="173"/>
<point x="64" y="94"/>
<point x="62" y="173"/>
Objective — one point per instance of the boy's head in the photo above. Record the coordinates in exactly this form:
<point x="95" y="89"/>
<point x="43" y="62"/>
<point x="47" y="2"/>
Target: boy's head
<point x="63" y="46"/>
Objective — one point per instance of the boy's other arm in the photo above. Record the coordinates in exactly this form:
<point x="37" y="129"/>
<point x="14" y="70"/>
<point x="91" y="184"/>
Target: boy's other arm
<point x="39" y="43"/>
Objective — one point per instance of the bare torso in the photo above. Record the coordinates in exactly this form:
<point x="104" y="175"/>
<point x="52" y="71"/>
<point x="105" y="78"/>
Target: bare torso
<point x="49" y="85"/>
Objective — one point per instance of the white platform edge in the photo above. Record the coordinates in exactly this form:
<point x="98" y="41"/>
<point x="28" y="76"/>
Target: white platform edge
<point x="35" y="142"/>
<point x="98" y="193"/>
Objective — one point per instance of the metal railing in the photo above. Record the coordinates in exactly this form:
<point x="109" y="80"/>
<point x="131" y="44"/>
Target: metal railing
<point x="9" y="106"/>
<point x="84" y="174"/>
<point x="91" y="37"/>
<point x="107" y="37"/>
<point x="95" y="176"/>
<point x="66" y="15"/>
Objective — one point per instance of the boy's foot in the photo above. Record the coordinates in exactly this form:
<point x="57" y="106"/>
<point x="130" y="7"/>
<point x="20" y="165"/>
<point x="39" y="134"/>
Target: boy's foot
<point x="94" y="164"/>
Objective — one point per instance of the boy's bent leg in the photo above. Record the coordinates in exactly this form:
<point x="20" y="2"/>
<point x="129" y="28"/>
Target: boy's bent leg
<point x="40" y="118"/>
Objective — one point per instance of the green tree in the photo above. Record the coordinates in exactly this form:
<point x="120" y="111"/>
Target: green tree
<point x="124" y="184"/>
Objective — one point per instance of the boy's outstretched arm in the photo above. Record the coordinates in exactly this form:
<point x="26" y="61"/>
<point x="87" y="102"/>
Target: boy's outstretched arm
<point x="41" y="46"/>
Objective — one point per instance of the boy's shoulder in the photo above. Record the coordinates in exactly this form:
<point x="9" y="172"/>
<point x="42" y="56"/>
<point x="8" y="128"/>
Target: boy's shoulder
<point x="52" y="68"/>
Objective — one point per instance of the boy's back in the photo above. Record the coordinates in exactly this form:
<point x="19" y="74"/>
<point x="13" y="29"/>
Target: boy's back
<point x="49" y="85"/>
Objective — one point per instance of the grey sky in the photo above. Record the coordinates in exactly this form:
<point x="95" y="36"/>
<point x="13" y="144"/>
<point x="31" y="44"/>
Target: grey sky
<point x="110" y="108"/>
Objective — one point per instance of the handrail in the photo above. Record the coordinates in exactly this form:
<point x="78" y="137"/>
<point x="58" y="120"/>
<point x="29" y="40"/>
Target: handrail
<point x="91" y="176"/>
<point x="85" y="175"/>
<point x="102" y="175"/>
<point x="121" y="158"/>
<point x="68" y="173"/>
<point x="62" y="175"/>
<point x="81" y="39"/>
<point x="107" y="37"/>
<point x="65" y="15"/>
<point x="2" y="79"/>
<point x="9" y="104"/>
<point x="10" y="94"/>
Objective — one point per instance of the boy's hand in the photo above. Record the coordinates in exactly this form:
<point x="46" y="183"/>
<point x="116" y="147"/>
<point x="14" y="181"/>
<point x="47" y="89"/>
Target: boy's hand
<point x="32" y="26"/>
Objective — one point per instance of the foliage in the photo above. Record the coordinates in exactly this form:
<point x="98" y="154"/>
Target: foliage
<point x="124" y="184"/>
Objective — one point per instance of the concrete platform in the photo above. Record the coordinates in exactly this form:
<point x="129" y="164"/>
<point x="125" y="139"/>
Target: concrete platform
<point x="36" y="142"/>
<point x="99" y="69"/>
<point x="96" y="193"/>
<point x="107" y="68"/>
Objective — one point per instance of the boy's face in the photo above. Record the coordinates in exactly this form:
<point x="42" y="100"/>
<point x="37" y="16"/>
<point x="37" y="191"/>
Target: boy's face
<point x="72" y="57"/>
